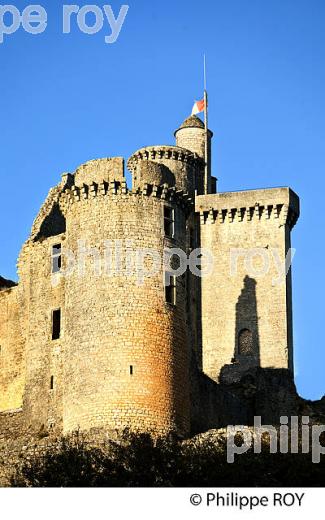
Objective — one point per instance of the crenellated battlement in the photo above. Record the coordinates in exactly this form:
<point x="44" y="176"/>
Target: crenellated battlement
<point x="283" y="213"/>
<point x="159" y="153"/>
<point x="280" y="204"/>
<point x="93" y="337"/>
<point x="172" y="165"/>
<point x="106" y="169"/>
<point x="119" y="190"/>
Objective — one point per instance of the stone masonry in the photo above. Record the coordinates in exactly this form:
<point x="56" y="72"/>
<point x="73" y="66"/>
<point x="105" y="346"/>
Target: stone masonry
<point x="95" y="347"/>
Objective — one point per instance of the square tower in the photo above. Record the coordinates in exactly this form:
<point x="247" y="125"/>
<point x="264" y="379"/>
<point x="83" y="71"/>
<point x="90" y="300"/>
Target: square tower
<point x="246" y="304"/>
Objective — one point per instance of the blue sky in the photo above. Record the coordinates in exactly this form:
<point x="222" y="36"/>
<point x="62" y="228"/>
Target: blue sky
<point x="66" y="99"/>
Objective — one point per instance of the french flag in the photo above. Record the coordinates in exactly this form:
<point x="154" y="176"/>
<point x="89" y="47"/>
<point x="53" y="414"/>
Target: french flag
<point x="198" y="107"/>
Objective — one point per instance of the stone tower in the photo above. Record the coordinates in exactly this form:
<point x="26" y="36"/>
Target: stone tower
<point x="191" y="135"/>
<point x="121" y="357"/>
<point x="99" y="332"/>
<point x="247" y="293"/>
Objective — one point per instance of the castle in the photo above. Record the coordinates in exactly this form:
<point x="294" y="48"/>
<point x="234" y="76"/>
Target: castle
<point x="95" y="349"/>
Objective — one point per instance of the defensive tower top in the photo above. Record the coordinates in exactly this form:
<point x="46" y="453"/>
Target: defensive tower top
<point x="192" y="136"/>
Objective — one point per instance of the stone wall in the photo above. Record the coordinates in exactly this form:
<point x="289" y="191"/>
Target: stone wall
<point x="191" y="136"/>
<point x="125" y="357"/>
<point x="122" y="358"/>
<point x="43" y="404"/>
<point x="183" y="167"/>
<point x="214" y="405"/>
<point x="100" y="170"/>
<point x="266" y="393"/>
<point x="248" y="234"/>
<point x="12" y="356"/>
<point x="260" y="392"/>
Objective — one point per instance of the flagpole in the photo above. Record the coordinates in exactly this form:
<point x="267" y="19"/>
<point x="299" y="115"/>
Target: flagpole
<point x="206" y="151"/>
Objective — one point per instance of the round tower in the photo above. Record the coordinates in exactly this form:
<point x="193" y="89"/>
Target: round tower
<point x="171" y="165"/>
<point x="191" y="136"/>
<point x="126" y="360"/>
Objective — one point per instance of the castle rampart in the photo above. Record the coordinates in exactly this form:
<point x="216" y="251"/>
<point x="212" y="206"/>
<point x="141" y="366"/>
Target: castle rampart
<point x="249" y="235"/>
<point x="89" y="341"/>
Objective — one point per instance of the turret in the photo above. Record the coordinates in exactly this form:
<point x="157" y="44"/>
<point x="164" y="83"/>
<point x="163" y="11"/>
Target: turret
<point x="170" y="165"/>
<point x="191" y="136"/>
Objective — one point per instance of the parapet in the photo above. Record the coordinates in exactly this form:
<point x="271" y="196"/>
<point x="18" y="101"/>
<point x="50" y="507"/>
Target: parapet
<point x="108" y="169"/>
<point x="178" y="167"/>
<point x="272" y="203"/>
<point x="119" y="191"/>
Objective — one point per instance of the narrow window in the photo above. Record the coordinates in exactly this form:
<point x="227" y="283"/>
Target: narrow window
<point x="52" y="383"/>
<point x="56" y="324"/>
<point x="131" y="370"/>
<point x="245" y="343"/>
<point x="169" y="222"/>
<point x="56" y="258"/>
<point x="170" y="289"/>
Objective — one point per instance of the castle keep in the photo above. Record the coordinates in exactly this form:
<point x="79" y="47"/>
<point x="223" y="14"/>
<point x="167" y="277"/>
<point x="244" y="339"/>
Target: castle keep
<point x="91" y="348"/>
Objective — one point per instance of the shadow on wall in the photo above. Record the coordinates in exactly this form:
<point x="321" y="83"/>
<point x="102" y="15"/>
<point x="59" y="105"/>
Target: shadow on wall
<point x="245" y="390"/>
<point x="269" y="393"/>
<point x="247" y="341"/>
<point x="53" y="224"/>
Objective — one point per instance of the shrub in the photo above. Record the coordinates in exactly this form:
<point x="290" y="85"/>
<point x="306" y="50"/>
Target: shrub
<point x="138" y="459"/>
